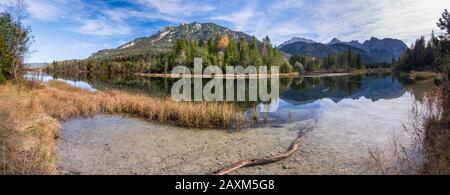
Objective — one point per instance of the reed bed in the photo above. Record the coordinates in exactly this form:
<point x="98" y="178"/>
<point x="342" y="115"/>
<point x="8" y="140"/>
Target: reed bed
<point x="27" y="134"/>
<point x="428" y="152"/>
<point x="29" y="119"/>
<point x="63" y="102"/>
<point x="435" y="134"/>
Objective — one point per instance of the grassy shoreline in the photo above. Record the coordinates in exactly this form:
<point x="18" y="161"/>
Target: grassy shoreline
<point x="27" y="134"/>
<point x="29" y="119"/>
<point x="428" y="150"/>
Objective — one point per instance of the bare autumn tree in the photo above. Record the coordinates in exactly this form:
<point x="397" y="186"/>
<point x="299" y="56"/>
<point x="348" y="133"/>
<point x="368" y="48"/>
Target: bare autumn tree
<point x="223" y="42"/>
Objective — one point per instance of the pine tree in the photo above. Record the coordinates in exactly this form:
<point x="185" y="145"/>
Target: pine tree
<point x="444" y="43"/>
<point x="444" y="23"/>
<point x="359" y="64"/>
<point x="6" y="61"/>
<point x="244" y="57"/>
<point x="255" y="56"/>
<point x="16" y="41"/>
<point x="349" y="59"/>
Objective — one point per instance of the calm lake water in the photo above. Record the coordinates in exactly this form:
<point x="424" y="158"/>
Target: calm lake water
<point x="371" y="97"/>
<point x="349" y="115"/>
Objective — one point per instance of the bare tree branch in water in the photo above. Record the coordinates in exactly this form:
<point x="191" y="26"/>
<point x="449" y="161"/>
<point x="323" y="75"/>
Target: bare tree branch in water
<point x="267" y="160"/>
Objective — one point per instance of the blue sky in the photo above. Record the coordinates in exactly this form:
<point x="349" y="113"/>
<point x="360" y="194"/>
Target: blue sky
<point x="72" y="29"/>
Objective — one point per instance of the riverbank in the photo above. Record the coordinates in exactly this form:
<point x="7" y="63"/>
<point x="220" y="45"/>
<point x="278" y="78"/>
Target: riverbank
<point x="29" y="119"/>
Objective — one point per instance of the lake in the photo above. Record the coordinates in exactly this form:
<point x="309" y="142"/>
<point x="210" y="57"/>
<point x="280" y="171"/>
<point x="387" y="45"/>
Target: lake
<point x="348" y="115"/>
<point x="299" y="98"/>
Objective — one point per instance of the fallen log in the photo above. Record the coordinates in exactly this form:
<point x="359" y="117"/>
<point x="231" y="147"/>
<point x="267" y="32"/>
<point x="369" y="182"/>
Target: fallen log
<point x="268" y="160"/>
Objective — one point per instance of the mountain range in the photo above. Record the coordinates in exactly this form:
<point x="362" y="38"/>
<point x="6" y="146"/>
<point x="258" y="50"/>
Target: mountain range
<point x="373" y="50"/>
<point x="165" y="38"/>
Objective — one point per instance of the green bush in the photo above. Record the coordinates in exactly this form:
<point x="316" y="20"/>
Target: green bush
<point x="2" y="78"/>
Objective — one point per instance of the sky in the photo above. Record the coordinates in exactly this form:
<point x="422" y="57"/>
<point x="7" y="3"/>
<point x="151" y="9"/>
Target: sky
<point x="74" y="29"/>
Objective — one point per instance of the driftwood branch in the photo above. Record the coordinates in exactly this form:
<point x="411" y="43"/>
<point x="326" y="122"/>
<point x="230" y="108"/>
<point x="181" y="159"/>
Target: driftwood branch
<point x="268" y="160"/>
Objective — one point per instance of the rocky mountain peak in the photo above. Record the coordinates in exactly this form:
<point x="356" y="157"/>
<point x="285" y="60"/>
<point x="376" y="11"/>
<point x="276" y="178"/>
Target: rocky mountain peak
<point x="334" y="41"/>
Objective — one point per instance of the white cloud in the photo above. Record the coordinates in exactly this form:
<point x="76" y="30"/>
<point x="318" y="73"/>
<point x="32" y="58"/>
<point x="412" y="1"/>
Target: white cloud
<point x="101" y="27"/>
<point x="87" y="45"/>
<point x="177" y="7"/>
<point x="319" y="20"/>
<point x="283" y="5"/>
<point x="240" y="19"/>
<point x="121" y="14"/>
<point x="271" y="20"/>
<point x="402" y="19"/>
<point x="80" y="17"/>
<point x="346" y="20"/>
<point x="43" y="10"/>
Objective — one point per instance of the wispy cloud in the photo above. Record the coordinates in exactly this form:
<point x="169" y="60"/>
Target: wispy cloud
<point x="242" y="18"/>
<point x="43" y="10"/>
<point x="359" y="20"/>
<point x="287" y="5"/>
<point x="81" y="17"/>
<point x="86" y="45"/>
<point x="178" y="7"/>
<point x="321" y="20"/>
<point x="277" y="20"/>
<point x="102" y="27"/>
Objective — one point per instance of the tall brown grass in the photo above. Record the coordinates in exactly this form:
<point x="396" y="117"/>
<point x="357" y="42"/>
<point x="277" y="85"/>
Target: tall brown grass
<point x="423" y="75"/>
<point x="29" y="119"/>
<point x="63" y="101"/>
<point x="429" y="149"/>
<point x="436" y="135"/>
<point x="27" y="135"/>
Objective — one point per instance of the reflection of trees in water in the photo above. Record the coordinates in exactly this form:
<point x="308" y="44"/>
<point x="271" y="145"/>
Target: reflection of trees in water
<point x="162" y="86"/>
<point x="348" y="84"/>
<point x="417" y="88"/>
<point x="297" y="89"/>
<point x="130" y="83"/>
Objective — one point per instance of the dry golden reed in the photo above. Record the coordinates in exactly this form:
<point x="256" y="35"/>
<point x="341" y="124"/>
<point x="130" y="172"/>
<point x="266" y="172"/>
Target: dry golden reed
<point x="29" y="126"/>
<point x="27" y="135"/>
<point x="63" y="101"/>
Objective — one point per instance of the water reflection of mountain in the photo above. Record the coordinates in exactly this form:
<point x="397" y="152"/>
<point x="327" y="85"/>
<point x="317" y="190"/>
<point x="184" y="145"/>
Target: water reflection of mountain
<point x="373" y="87"/>
<point x="297" y="91"/>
